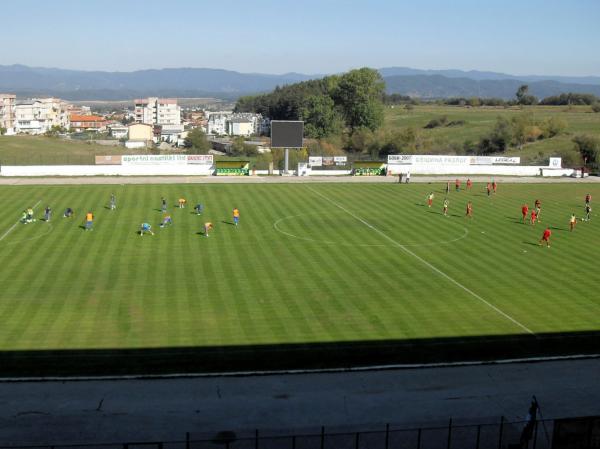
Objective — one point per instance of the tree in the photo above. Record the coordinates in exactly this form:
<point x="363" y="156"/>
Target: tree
<point x="196" y="142"/>
<point x="359" y="94"/>
<point x="596" y="107"/>
<point x="553" y="126"/>
<point x="588" y="147"/>
<point x="361" y="140"/>
<point x="321" y="118"/>
<point x="2" y="131"/>
<point x="55" y="130"/>
<point x="521" y="126"/>
<point x="523" y="96"/>
<point x="499" y="139"/>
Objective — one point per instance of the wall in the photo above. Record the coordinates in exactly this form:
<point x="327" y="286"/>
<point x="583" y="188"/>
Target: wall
<point x="106" y="170"/>
<point x="204" y="170"/>
<point x="499" y="170"/>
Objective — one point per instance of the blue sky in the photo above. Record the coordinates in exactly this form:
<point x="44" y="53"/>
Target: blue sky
<point x="547" y="37"/>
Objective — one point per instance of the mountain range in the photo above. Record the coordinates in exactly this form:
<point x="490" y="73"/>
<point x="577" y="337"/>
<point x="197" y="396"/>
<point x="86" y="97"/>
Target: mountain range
<point x="28" y="81"/>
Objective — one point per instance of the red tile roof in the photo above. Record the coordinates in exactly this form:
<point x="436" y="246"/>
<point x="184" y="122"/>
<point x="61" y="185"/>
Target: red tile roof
<point x="86" y="118"/>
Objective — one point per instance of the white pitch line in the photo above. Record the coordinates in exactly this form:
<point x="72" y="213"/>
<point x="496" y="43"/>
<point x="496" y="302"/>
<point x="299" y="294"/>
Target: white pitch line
<point x="423" y="261"/>
<point x="18" y="221"/>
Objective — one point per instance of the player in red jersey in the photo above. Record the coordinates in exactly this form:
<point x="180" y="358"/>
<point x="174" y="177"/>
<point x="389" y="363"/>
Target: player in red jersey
<point x="430" y="199"/>
<point x="524" y="211"/>
<point x="469" y="210"/>
<point x="588" y="199"/>
<point x="469" y="184"/>
<point x="457" y="184"/>
<point x="489" y="188"/>
<point x="494" y="186"/>
<point x="546" y="237"/>
<point x="533" y="218"/>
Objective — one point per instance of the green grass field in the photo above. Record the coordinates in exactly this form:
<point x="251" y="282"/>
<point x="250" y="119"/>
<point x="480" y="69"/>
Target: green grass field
<point x="41" y="150"/>
<point x="309" y="263"/>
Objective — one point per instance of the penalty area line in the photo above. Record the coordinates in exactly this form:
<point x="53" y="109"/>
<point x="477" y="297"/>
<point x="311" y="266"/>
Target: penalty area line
<point x="424" y="262"/>
<point x="17" y="222"/>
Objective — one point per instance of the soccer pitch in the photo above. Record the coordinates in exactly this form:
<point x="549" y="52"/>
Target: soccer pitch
<point x="308" y="264"/>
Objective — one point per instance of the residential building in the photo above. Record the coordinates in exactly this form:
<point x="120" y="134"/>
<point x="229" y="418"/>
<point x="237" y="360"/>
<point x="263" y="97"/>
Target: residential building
<point x="79" y="110"/>
<point x="140" y="132"/>
<point x="157" y="111"/>
<point x="40" y="115"/>
<point x="171" y="133"/>
<point x="118" y="131"/>
<point x="7" y="112"/>
<point x="236" y="124"/>
<point x="217" y="122"/>
<point x="87" y="123"/>
<point x="240" y="126"/>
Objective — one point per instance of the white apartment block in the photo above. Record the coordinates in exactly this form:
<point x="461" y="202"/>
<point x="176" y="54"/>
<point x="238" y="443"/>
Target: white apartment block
<point x="157" y="111"/>
<point x="216" y="123"/>
<point x="236" y="123"/>
<point x="7" y="112"/>
<point x="41" y="114"/>
<point x="240" y="126"/>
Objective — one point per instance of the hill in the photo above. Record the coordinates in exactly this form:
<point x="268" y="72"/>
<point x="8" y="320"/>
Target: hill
<point x="28" y="81"/>
<point x="98" y="85"/>
<point x="438" y="86"/>
<point x="483" y="75"/>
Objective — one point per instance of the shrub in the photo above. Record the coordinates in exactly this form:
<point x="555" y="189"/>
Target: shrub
<point x="587" y="146"/>
<point x="436" y="122"/>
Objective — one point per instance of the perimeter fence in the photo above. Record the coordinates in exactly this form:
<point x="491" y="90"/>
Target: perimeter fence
<point x="582" y="433"/>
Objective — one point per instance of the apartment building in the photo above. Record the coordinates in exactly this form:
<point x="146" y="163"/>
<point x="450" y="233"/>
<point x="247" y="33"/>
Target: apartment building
<point x="217" y="122"/>
<point x="236" y="124"/>
<point x="87" y="123"/>
<point x="240" y="126"/>
<point x="40" y="115"/>
<point x="7" y="112"/>
<point x="157" y="111"/>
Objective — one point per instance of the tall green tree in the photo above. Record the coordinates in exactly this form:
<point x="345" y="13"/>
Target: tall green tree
<point x="196" y="142"/>
<point x="523" y="96"/>
<point x="359" y="93"/>
<point x="321" y="118"/>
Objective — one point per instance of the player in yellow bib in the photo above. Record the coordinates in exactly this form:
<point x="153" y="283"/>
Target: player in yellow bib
<point x="208" y="226"/>
<point x="89" y="221"/>
<point x="236" y="216"/>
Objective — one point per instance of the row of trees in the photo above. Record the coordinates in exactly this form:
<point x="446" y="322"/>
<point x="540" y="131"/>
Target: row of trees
<point x="328" y="106"/>
<point x="523" y="98"/>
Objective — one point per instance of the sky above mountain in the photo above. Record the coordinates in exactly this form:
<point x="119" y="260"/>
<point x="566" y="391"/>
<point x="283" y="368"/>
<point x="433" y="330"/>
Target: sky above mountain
<point x="540" y="37"/>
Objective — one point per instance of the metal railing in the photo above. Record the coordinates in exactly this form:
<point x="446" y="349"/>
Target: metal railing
<point x="499" y="435"/>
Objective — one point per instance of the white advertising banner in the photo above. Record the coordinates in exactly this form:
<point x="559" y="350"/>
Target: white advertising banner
<point x="315" y="161"/>
<point x="154" y="159"/>
<point x="441" y="160"/>
<point x="340" y="160"/>
<point x="424" y="159"/>
<point x="400" y="159"/>
<point x="492" y="160"/>
<point x="555" y="162"/>
<point x="204" y="159"/>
